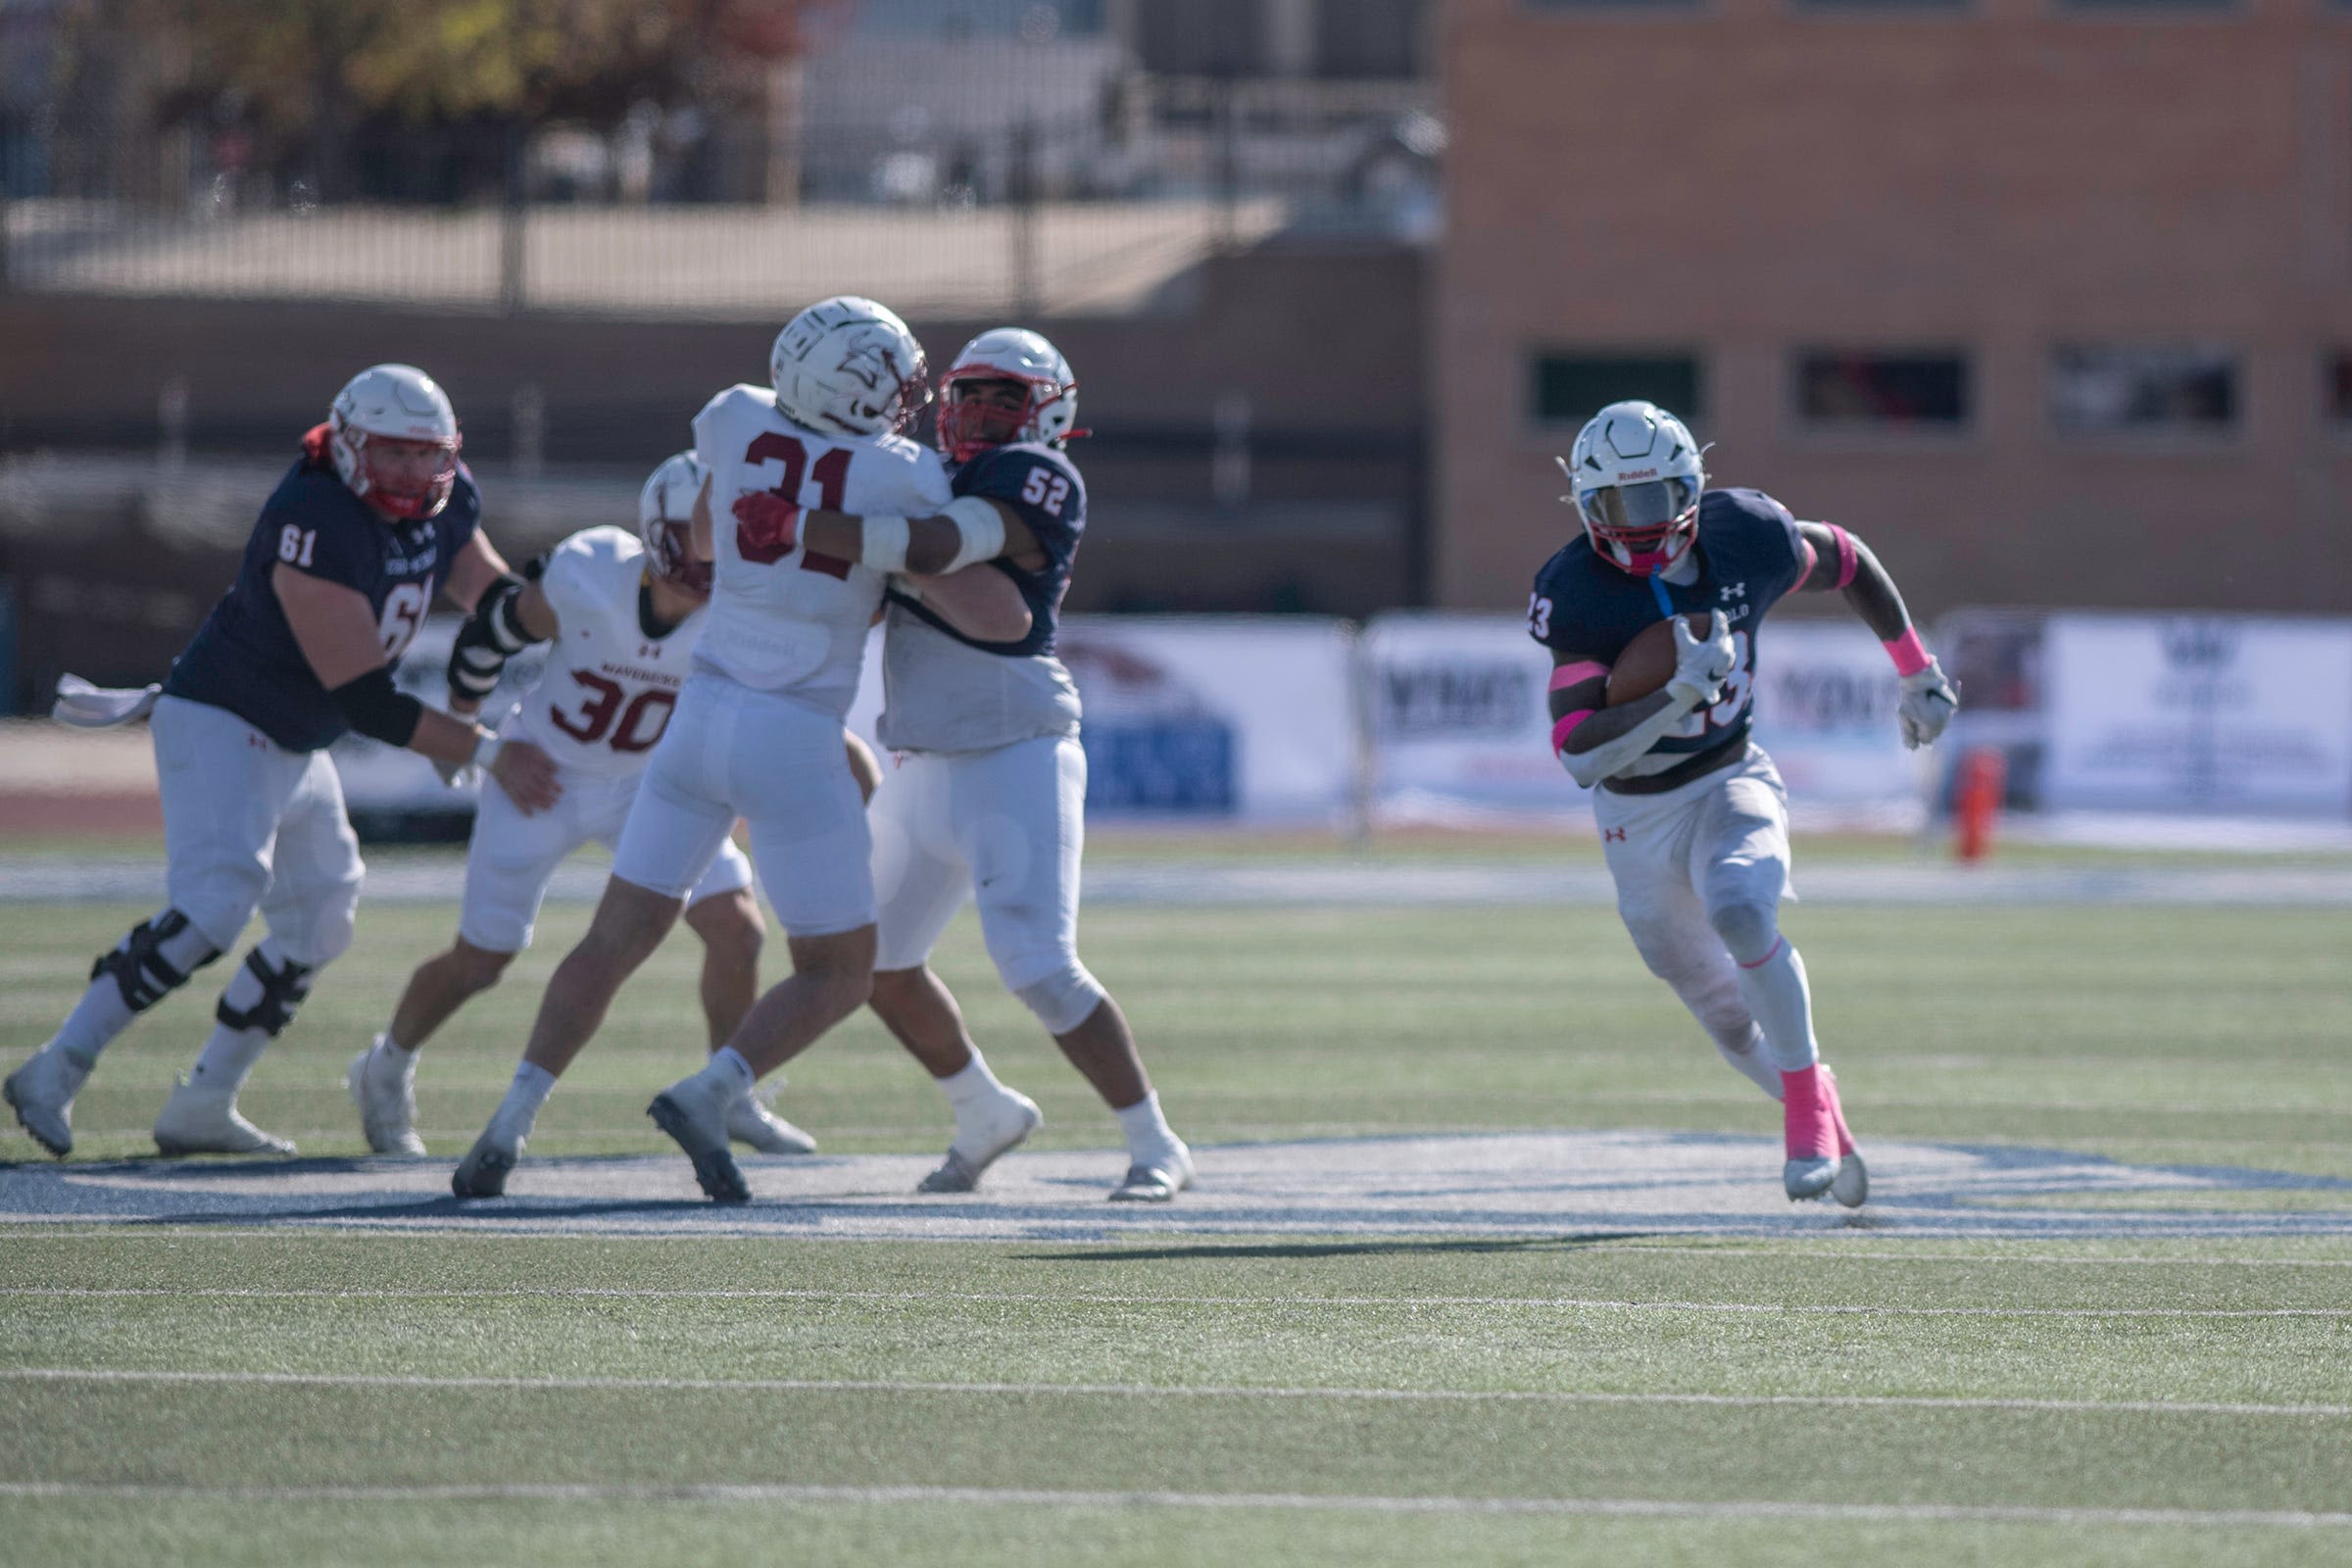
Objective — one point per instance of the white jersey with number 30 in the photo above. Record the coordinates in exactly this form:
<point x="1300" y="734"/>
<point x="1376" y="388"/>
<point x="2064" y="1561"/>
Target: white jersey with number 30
<point x="788" y="621"/>
<point x="608" y="690"/>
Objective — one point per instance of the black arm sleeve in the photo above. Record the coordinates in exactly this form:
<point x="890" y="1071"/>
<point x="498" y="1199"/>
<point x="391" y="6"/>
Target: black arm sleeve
<point x="491" y="635"/>
<point x="378" y="710"/>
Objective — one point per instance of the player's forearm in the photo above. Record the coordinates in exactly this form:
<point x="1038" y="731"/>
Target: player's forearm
<point x="980" y="602"/>
<point x="971" y="529"/>
<point x="1873" y="597"/>
<point x="1609" y="741"/>
<point x="444" y="738"/>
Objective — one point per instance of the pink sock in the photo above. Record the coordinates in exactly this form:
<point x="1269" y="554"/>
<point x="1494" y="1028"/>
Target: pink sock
<point x="1808" y="1113"/>
<point x="1828" y="1092"/>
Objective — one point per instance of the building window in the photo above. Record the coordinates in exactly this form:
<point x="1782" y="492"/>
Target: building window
<point x="2105" y="390"/>
<point x="1870" y="390"/>
<point x="2338" y="372"/>
<point x="1570" y="388"/>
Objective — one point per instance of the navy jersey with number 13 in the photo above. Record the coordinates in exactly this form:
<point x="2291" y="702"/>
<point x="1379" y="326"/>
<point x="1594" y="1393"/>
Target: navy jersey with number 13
<point x="1749" y="556"/>
<point x="244" y="657"/>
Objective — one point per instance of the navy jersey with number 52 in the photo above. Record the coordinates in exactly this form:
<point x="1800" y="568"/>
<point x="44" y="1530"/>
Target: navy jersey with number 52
<point x="1043" y="488"/>
<point x="244" y="657"/>
<point x="1749" y="556"/>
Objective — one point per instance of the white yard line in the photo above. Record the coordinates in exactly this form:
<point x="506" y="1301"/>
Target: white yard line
<point x="1138" y="1391"/>
<point x="1288" y="1501"/>
<point x="1094" y="1299"/>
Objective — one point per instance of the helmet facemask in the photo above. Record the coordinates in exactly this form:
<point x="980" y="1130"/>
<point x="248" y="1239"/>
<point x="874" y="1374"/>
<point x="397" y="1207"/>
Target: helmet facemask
<point x="669" y="552"/>
<point x="979" y="409"/>
<point x="666" y="524"/>
<point x="371" y="467"/>
<point x="1644" y="529"/>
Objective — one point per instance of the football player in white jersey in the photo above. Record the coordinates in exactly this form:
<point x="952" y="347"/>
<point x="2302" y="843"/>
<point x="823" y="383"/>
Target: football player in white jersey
<point x="758" y="728"/>
<point x="989" y="797"/>
<point x="622" y="612"/>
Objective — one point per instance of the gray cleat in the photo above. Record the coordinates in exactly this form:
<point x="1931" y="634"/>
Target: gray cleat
<point x="699" y="1128"/>
<point x="1808" y="1178"/>
<point x="1158" y="1182"/>
<point x="1853" y="1185"/>
<point x="482" y="1173"/>
<point x="41" y="1093"/>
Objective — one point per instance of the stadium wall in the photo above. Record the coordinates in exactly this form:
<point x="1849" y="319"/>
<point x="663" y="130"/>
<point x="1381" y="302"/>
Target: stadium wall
<point x="1729" y="186"/>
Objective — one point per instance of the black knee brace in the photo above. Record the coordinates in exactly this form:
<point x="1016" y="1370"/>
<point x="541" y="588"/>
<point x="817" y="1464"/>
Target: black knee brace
<point x="141" y="971"/>
<point x="282" y="991"/>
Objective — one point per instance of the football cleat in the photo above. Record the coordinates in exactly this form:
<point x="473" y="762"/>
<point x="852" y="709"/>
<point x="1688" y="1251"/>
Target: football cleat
<point x="383" y="1085"/>
<point x="204" y="1121"/>
<point x="694" y="1114"/>
<point x="482" y="1173"/>
<point x="996" y="1129"/>
<point x="1156" y="1181"/>
<point x="42" y="1093"/>
<point x="756" y="1125"/>
<point x="1852" y="1185"/>
<point x="1809" y="1178"/>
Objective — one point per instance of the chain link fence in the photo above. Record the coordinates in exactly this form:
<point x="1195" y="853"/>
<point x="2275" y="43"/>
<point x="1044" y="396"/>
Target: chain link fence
<point x="947" y="175"/>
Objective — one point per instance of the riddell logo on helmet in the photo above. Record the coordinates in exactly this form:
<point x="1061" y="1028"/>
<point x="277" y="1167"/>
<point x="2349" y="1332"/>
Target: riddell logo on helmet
<point x="1636" y="473"/>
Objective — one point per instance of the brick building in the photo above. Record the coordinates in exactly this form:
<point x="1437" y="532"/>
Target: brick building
<point x="2052" y="298"/>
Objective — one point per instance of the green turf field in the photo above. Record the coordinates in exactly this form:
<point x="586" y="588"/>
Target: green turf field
<point x="240" y="1393"/>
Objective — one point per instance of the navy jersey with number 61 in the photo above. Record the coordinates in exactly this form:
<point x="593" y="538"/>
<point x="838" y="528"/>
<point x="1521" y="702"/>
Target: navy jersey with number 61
<point x="1043" y="488"/>
<point x="244" y="657"/>
<point x="1749" y="556"/>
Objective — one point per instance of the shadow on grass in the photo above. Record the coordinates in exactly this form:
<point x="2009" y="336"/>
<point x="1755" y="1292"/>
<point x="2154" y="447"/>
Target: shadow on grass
<point x="1365" y="1248"/>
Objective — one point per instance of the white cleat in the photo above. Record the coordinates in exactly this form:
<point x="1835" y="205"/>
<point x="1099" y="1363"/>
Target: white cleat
<point x="383" y="1084"/>
<point x="42" y="1093"/>
<point x="1157" y="1180"/>
<point x="1852" y="1185"/>
<point x="204" y="1121"/>
<point x="1808" y="1179"/>
<point x="995" y="1130"/>
<point x="753" y="1123"/>
<point x="482" y="1173"/>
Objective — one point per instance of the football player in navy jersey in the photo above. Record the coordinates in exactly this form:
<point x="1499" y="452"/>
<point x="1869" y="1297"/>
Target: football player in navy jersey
<point x="987" y="797"/>
<point x="1692" y="812"/>
<point x="375" y="518"/>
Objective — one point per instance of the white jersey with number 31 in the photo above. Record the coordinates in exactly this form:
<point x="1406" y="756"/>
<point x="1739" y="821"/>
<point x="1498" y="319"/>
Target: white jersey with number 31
<point x="787" y="620"/>
<point x="608" y="688"/>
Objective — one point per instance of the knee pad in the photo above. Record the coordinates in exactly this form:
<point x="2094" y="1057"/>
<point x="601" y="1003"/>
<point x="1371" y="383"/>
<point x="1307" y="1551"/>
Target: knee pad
<point x="155" y="958"/>
<point x="276" y="989"/>
<point x="1748" y="929"/>
<point x="1065" y="999"/>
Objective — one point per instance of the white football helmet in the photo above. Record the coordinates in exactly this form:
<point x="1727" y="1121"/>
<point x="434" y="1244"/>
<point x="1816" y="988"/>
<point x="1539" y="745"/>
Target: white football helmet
<point x="848" y="364"/>
<point x="1637" y="479"/>
<point x="665" y="522"/>
<point x="393" y="403"/>
<point x="968" y="427"/>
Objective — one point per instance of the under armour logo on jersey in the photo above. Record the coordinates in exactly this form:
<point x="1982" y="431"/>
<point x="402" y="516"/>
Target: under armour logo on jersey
<point x="1612" y="835"/>
<point x="1736" y="590"/>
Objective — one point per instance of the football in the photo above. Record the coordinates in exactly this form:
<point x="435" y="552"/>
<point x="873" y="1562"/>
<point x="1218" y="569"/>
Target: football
<point x="1648" y="662"/>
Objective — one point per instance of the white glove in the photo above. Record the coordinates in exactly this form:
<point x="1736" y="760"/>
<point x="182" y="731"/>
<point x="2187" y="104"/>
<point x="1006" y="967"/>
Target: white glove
<point x="1700" y="663"/>
<point x="1928" y="705"/>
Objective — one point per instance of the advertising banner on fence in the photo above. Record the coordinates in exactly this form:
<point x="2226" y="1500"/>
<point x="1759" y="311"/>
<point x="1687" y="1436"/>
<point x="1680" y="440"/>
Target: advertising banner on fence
<point x="2199" y="714"/>
<point x="1230" y="719"/>
<point x="1460" y="730"/>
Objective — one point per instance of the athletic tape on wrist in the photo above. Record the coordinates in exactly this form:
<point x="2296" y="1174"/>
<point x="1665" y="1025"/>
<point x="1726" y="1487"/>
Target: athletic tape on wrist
<point x="485" y="749"/>
<point x="979" y="531"/>
<point x="885" y="544"/>
<point x="1909" y="654"/>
